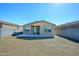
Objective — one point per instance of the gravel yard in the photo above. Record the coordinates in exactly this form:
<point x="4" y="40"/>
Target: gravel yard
<point x="57" y="46"/>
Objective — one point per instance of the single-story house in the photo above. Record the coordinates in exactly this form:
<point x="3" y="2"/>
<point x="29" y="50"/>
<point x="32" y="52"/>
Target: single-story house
<point x="39" y="28"/>
<point x="7" y="28"/>
<point x="69" y="30"/>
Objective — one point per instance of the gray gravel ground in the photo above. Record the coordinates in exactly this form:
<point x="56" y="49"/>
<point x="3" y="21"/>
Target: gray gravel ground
<point x="58" y="46"/>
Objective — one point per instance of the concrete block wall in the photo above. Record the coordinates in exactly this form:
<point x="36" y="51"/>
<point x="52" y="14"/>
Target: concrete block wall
<point x="70" y="33"/>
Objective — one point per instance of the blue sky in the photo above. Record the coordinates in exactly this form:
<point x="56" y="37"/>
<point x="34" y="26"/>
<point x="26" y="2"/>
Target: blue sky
<point x="22" y="13"/>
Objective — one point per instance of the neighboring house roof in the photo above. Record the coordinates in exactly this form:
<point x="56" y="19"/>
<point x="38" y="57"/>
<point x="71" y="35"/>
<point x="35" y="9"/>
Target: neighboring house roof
<point x="38" y="22"/>
<point x="8" y="23"/>
<point x="70" y="23"/>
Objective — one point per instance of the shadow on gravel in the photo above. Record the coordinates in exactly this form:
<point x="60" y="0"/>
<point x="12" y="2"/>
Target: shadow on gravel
<point x="35" y="38"/>
<point x="71" y="39"/>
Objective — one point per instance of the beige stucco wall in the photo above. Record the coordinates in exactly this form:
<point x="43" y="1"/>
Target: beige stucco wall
<point x="13" y="27"/>
<point x="42" y="24"/>
<point x="9" y="26"/>
<point x="8" y="29"/>
<point x="29" y="26"/>
<point x="20" y="28"/>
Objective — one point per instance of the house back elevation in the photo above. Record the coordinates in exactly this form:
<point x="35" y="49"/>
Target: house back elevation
<point x="39" y="28"/>
<point x="7" y="28"/>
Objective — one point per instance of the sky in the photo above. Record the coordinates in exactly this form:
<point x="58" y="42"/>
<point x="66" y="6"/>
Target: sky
<point x="23" y="13"/>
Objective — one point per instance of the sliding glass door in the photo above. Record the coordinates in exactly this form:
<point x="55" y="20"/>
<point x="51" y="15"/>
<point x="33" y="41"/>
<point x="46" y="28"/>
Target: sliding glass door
<point x="36" y="30"/>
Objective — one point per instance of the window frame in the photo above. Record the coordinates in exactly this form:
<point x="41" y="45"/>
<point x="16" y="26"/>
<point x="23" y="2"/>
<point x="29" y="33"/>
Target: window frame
<point x="47" y="29"/>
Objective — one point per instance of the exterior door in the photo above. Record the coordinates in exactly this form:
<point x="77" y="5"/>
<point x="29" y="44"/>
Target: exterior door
<point x="36" y="30"/>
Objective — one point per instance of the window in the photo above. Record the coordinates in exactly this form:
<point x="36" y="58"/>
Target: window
<point x="47" y="29"/>
<point x="27" y="29"/>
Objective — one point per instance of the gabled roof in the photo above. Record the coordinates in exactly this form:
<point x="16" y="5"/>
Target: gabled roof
<point x="38" y="22"/>
<point x="7" y="23"/>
